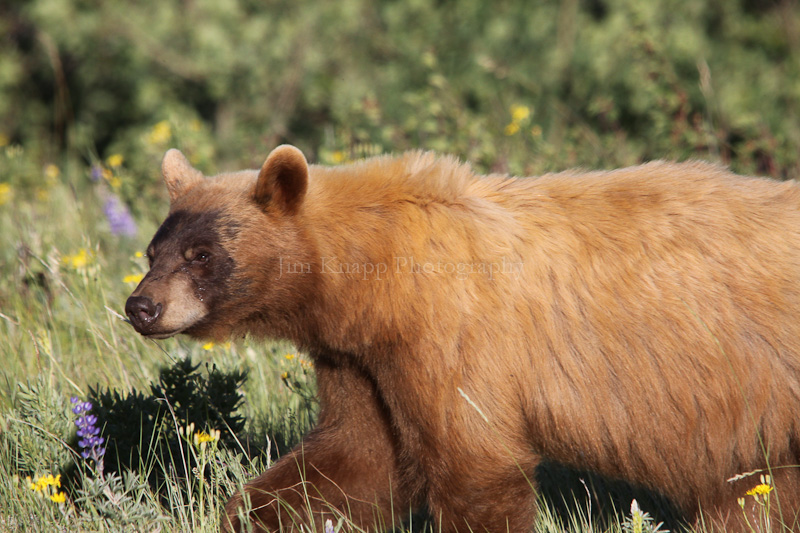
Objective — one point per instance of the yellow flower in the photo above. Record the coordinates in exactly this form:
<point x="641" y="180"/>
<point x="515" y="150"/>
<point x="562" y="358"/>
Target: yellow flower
<point x="52" y="172"/>
<point x="306" y="364"/>
<point x="289" y="356"/>
<point x="43" y="482"/>
<point x="133" y="278"/>
<point x="161" y="133"/>
<point x="79" y="260"/>
<point x="138" y="255"/>
<point x="338" y="157"/>
<point x="519" y="113"/>
<point x="760" y="490"/>
<point x="115" y="160"/>
<point x="285" y="375"/>
<point x="511" y="129"/>
<point x="202" y="437"/>
<point x="208" y="346"/>
<point x="6" y="193"/>
<point x="59" y="497"/>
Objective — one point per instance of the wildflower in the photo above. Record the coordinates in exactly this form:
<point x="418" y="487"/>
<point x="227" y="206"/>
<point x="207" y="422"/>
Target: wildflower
<point x="519" y="113"/>
<point x="760" y="490"/>
<point x="208" y="346"/>
<point x="97" y="173"/>
<point x="115" y="160"/>
<point x="637" y="517"/>
<point x="138" y="255"/>
<point x="308" y="365"/>
<point x="5" y="193"/>
<point x="511" y="129"/>
<point x="79" y="260"/>
<point x="201" y="437"/>
<point x="133" y="278"/>
<point x="284" y="375"/>
<point x="161" y="133"/>
<point x="41" y="484"/>
<point x="52" y="172"/>
<point x="119" y="218"/>
<point x="91" y="442"/>
<point x="329" y="526"/>
<point x="289" y="356"/>
<point x="188" y="431"/>
<point x="338" y="157"/>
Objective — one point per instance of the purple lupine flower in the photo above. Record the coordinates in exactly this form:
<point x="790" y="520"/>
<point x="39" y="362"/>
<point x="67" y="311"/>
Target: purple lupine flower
<point x="118" y="216"/>
<point x="91" y="442"/>
<point x="97" y="173"/>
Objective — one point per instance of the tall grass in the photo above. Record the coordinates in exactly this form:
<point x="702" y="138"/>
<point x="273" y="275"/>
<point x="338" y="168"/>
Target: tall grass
<point x="64" y="278"/>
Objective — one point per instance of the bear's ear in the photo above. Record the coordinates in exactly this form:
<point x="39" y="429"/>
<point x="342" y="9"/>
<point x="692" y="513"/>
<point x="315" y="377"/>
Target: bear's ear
<point x="179" y="174"/>
<point x="283" y="180"/>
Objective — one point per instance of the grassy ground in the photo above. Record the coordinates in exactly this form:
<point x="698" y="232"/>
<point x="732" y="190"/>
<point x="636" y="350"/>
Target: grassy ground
<point x="64" y="281"/>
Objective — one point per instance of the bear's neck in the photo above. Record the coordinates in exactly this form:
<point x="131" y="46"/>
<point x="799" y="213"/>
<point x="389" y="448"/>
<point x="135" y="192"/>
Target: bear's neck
<point x="375" y="255"/>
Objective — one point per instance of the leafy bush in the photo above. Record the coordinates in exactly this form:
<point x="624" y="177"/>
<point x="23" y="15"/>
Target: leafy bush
<point x="147" y="430"/>
<point x="608" y="82"/>
<point x="167" y="437"/>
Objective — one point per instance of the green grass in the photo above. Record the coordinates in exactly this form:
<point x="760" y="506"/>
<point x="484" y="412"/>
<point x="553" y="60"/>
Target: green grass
<point x="62" y="293"/>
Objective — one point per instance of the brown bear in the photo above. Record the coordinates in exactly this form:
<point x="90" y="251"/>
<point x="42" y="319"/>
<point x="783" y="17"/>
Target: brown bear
<point x="641" y="323"/>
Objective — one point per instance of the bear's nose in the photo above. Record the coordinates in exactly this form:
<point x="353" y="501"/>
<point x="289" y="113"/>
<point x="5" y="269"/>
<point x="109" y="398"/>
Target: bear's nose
<point x="142" y="312"/>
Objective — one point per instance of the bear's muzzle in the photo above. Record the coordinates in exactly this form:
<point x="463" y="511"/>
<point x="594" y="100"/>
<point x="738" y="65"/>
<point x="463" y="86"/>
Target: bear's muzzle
<point x="142" y="312"/>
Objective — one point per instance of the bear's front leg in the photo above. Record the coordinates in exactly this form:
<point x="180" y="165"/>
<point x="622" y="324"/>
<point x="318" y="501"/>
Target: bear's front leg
<point x="347" y="465"/>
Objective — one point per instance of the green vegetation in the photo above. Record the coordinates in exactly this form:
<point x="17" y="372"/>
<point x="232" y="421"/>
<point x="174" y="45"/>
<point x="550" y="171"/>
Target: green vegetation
<point x="92" y="94"/>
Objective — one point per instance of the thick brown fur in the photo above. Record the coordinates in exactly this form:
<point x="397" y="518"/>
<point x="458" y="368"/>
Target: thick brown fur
<point x="643" y="323"/>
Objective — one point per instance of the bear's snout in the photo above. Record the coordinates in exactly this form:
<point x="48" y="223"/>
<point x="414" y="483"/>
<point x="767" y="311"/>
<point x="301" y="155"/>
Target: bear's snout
<point x="142" y="312"/>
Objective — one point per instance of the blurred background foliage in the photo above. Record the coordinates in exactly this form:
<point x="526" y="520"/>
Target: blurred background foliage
<point x="596" y="83"/>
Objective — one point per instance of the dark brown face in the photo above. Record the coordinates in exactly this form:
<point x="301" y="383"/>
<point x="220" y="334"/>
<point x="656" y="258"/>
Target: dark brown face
<point x="190" y="273"/>
<point x="215" y="260"/>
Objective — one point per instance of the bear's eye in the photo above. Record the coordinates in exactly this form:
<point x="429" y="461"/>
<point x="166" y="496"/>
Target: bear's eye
<point x="199" y="256"/>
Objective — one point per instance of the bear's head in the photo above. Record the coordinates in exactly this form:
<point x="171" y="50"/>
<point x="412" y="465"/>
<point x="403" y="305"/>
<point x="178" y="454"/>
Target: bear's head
<point x="215" y="262"/>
